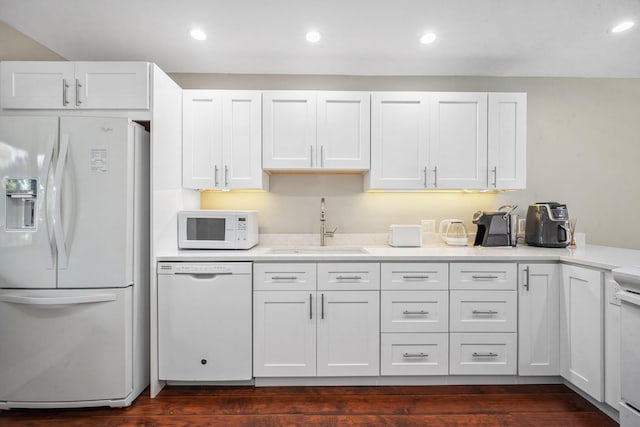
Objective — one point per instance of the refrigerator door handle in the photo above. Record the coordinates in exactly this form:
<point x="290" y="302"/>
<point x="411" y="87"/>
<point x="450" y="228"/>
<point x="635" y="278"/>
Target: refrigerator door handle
<point x="58" y="230"/>
<point x="44" y="179"/>
<point x="84" y="299"/>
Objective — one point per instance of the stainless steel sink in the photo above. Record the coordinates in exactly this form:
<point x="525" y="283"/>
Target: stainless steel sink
<point x="319" y="250"/>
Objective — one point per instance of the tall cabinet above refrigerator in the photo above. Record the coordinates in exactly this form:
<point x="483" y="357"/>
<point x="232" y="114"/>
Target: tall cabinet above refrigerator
<point x="74" y="256"/>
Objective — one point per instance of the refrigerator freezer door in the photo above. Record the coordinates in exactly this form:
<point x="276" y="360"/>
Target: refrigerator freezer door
<point x="96" y="170"/>
<point x="65" y="345"/>
<point x="27" y="250"/>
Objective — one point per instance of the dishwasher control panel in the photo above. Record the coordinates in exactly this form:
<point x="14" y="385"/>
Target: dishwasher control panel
<point x="204" y="268"/>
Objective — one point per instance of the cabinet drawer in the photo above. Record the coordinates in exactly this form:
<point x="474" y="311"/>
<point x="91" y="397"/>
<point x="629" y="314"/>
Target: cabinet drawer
<point x="348" y="276"/>
<point x="414" y="311"/>
<point x="284" y="277"/>
<point x="489" y="276"/>
<point x="483" y="354"/>
<point x="414" y="276"/>
<point x="484" y="311"/>
<point x="414" y="354"/>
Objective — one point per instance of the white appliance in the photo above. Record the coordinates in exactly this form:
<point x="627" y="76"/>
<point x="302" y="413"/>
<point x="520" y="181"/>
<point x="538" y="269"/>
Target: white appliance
<point x="405" y="235"/>
<point x="629" y="280"/>
<point x="74" y="257"/>
<point x="204" y="321"/>
<point x="216" y="229"/>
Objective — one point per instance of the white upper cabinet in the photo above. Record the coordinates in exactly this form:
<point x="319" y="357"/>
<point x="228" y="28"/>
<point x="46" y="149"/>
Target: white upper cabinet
<point x="315" y="130"/>
<point x="74" y="85"/>
<point x="221" y="140"/>
<point x="399" y="141"/>
<point x="458" y="143"/>
<point x="507" y="141"/>
<point x="447" y="140"/>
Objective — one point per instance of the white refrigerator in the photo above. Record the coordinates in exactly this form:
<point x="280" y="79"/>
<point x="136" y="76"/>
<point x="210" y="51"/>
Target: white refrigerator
<point x="74" y="261"/>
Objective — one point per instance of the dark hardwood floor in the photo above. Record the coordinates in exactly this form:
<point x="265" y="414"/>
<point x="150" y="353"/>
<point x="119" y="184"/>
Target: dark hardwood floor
<point x="522" y="405"/>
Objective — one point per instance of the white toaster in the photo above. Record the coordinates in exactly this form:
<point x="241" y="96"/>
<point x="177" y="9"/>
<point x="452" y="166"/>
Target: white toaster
<point x="405" y="235"/>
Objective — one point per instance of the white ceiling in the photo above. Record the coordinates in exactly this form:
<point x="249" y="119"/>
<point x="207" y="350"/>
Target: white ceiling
<point x="360" y="37"/>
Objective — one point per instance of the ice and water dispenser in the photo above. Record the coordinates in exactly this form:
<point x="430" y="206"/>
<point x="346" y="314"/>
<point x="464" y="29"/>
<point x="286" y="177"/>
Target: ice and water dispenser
<point x="21" y="203"/>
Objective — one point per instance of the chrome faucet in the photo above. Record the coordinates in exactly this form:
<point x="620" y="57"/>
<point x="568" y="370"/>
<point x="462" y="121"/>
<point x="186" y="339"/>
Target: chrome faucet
<point x="323" y="218"/>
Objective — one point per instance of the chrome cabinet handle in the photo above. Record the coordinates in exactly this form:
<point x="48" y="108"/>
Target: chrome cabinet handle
<point x="406" y="277"/>
<point x="226" y="176"/>
<point x="490" y="354"/>
<point x="284" y="277"/>
<point x="215" y="175"/>
<point x="526" y="276"/>
<point x="310" y="306"/>
<point x="322" y="156"/>
<point x="322" y="306"/>
<point x="311" y="156"/>
<point x="484" y="312"/>
<point x="65" y="86"/>
<point x="78" y="86"/>
<point x="419" y="313"/>
<point x="435" y="176"/>
<point x="348" y="277"/>
<point x="495" y="176"/>
<point x="421" y="354"/>
<point x="484" y="277"/>
<point x="425" y="176"/>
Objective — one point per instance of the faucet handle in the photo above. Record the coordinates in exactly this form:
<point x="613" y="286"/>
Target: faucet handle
<point x="330" y="233"/>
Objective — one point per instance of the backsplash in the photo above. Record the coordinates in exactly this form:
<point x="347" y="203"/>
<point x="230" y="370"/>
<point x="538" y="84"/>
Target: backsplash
<point x="293" y="205"/>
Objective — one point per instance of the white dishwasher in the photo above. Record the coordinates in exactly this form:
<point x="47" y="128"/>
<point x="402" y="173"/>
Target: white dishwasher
<point x="204" y="321"/>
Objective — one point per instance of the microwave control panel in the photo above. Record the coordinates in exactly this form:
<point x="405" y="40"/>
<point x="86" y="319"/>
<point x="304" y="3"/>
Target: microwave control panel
<point x="241" y="228"/>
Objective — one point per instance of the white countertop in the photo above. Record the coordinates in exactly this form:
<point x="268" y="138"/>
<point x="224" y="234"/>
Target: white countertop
<point x="602" y="257"/>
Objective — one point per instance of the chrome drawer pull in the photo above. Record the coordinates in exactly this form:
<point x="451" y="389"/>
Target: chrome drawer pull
<point x="419" y="313"/>
<point x="415" y="355"/>
<point x="414" y="277"/>
<point x="485" y="354"/>
<point x="484" y="277"/>
<point x="284" y="278"/>
<point x="484" y="312"/>
<point x="349" y="278"/>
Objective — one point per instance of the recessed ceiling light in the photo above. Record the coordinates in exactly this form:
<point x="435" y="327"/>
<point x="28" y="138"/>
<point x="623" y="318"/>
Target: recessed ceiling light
<point x="198" y="34"/>
<point x="313" y="37"/>
<point x="623" y="26"/>
<point x="428" y="38"/>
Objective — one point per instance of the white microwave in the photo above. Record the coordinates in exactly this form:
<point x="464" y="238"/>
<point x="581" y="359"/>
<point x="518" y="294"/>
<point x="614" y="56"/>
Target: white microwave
<point x="215" y="229"/>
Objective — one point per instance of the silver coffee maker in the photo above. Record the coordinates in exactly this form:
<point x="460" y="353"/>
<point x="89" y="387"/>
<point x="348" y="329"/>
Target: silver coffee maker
<point x="548" y="225"/>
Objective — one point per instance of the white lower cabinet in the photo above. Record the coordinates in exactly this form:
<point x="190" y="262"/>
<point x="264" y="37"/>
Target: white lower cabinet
<point x="581" y="329"/>
<point x="484" y="311"/>
<point x="483" y="354"/>
<point x="414" y="353"/>
<point x="414" y="319"/>
<point x="539" y="318"/>
<point x="348" y="333"/>
<point x="301" y="331"/>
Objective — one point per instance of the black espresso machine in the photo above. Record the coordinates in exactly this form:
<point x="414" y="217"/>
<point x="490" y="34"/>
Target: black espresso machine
<point x="548" y="225"/>
<point x="496" y="228"/>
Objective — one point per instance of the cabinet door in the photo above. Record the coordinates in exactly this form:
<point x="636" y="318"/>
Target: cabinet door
<point x="343" y="130"/>
<point x="483" y="311"/>
<point x="581" y="327"/>
<point x="202" y="139"/>
<point x="242" y="140"/>
<point x="538" y="315"/>
<point x="399" y="141"/>
<point x="507" y="141"/>
<point x="289" y="130"/>
<point x="284" y="334"/>
<point x="612" y="343"/>
<point x="112" y="85"/>
<point x="349" y="333"/>
<point x="458" y="143"/>
<point x="41" y="84"/>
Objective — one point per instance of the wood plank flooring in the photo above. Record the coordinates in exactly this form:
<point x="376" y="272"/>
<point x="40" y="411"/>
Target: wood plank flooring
<point x="509" y="405"/>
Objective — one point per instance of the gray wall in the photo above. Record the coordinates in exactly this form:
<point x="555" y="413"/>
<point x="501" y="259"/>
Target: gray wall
<point x="583" y="149"/>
